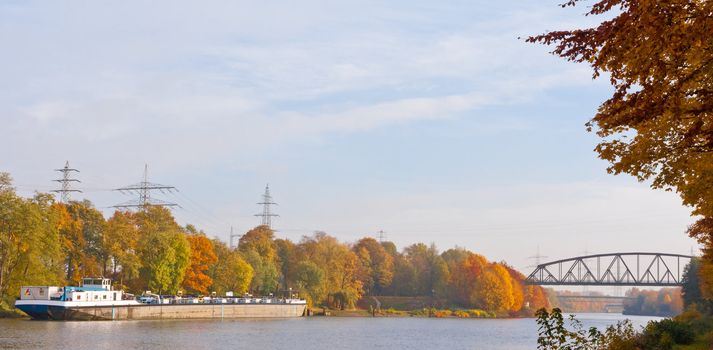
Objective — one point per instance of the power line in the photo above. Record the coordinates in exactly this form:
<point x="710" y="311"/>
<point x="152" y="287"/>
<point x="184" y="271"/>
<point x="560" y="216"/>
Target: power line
<point x="267" y="214"/>
<point x="143" y="190"/>
<point x="537" y="257"/>
<point x="66" y="182"/>
<point x="200" y="209"/>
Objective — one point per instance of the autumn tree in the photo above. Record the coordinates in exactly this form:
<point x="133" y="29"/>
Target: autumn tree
<point x="658" y="124"/>
<point x="72" y="242"/>
<point x="378" y="265"/>
<point x="664" y="302"/>
<point x="493" y="289"/>
<point x="389" y="248"/>
<point x="196" y="279"/>
<point x="465" y="268"/>
<point x="258" y="248"/>
<point x="93" y="256"/>
<point x="230" y="272"/>
<point x="339" y="264"/>
<point x="30" y="250"/>
<point x="535" y="297"/>
<point x="517" y="282"/>
<point x="121" y="239"/>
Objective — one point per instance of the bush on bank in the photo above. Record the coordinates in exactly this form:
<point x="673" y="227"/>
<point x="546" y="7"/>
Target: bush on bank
<point x="690" y="330"/>
<point x="459" y="313"/>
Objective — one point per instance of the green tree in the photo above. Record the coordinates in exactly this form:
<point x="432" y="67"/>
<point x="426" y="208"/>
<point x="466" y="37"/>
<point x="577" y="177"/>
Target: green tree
<point x="431" y="270"/>
<point x="163" y="250"/>
<point x="230" y="273"/>
<point x="404" y="281"/>
<point x="310" y="281"/>
<point x="258" y="248"/>
<point x="691" y="290"/>
<point x="286" y="255"/>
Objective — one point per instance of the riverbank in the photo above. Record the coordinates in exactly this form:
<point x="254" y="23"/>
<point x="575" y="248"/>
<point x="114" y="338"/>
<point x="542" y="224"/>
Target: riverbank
<point x="8" y="312"/>
<point x="425" y="313"/>
<point x="412" y="306"/>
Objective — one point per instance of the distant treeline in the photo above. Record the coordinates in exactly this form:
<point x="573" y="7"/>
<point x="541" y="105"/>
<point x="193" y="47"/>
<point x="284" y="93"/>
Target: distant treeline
<point x="577" y="305"/>
<point x="666" y="302"/>
<point x="43" y="242"/>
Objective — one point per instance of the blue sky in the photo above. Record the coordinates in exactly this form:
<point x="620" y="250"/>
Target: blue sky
<point x="430" y="121"/>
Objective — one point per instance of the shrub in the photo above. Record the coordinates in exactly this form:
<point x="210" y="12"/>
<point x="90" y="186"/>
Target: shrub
<point x="461" y="314"/>
<point x="475" y="313"/>
<point x="663" y="334"/>
<point x="442" y="313"/>
<point x="425" y="312"/>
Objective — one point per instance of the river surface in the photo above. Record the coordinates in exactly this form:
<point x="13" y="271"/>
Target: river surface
<point x="352" y="333"/>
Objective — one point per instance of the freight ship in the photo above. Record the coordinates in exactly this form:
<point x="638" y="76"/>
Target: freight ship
<point x="96" y="300"/>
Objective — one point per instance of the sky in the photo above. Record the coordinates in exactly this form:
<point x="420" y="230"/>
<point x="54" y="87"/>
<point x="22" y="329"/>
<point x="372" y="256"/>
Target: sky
<point x="432" y="121"/>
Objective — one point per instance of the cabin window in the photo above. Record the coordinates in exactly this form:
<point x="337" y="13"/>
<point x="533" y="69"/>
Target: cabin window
<point x="114" y="296"/>
<point x="79" y="297"/>
<point x="104" y="296"/>
<point x="96" y="297"/>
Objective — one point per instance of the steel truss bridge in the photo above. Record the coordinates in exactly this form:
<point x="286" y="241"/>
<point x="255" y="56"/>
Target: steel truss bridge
<point x="615" y="269"/>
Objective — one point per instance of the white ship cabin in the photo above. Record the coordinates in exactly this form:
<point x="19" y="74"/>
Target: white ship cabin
<point x="98" y="283"/>
<point x="41" y="293"/>
<point x="92" y="290"/>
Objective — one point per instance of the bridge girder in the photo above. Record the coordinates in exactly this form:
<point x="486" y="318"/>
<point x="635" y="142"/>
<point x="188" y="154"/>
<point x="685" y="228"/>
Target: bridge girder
<point x="614" y="269"/>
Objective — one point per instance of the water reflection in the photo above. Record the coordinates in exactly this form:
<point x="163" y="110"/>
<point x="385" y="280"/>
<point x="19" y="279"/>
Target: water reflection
<point x="292" y="334"/>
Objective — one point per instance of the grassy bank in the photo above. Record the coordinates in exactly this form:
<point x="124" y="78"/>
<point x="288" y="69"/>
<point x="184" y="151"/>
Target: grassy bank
<point x="405" y="307"/>
<point x="426" y="312"/>
<point x="7" y="311"/>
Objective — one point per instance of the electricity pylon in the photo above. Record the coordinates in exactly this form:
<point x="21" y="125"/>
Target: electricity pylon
<point x="266" y="214"/>
<point x="66" y="182"/>
<point x="143" y="190"/>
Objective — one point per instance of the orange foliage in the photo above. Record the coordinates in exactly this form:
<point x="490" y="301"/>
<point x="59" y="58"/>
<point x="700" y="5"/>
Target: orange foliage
<point x="662" y="302"/>
<point x="202" y="257"/>
<point x="535" y="297"/>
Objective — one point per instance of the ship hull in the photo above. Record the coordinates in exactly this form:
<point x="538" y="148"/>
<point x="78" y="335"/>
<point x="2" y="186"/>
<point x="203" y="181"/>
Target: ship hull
<point x="162" y="312"/>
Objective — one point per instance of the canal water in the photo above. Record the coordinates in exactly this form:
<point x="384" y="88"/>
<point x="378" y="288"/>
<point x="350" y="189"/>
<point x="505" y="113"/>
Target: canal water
<point x="293" y="334"/>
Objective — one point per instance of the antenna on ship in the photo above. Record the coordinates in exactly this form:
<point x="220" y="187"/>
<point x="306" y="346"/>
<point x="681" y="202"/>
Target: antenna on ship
<point x="143" y="190"/>
<point x="66" y="182"/>
<point x="267" y="214"/>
